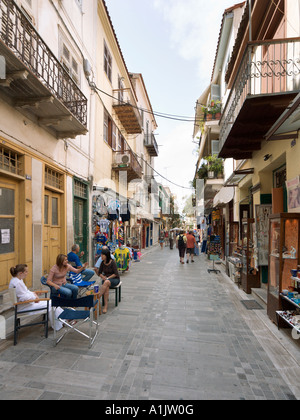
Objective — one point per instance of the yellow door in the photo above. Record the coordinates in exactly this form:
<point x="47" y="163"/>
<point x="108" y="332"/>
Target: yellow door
<point x="9" y="212"/>
<point x="52" y="229"/>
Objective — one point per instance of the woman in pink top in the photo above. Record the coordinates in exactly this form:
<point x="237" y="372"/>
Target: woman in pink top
<point x="57" y="278"/>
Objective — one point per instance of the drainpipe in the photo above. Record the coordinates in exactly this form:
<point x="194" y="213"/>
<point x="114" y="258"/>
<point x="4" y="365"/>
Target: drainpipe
<point x="250" y="20"/>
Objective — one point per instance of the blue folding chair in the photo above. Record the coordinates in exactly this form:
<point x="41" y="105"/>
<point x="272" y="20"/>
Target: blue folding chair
<point x="73" y="318"/>
<point x="83" y="286"/>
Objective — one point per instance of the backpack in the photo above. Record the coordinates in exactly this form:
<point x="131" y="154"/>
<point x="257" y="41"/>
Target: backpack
<point x="181" y="242"/>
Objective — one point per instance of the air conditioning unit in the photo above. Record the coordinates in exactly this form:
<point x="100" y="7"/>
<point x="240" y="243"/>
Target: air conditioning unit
<point x="123" y="159"/>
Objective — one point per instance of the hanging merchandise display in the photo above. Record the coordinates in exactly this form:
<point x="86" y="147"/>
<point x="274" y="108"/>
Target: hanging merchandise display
<point x="122" y="256"/>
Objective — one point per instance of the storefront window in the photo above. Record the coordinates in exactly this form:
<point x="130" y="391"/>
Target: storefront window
<point x="7" y="221"/>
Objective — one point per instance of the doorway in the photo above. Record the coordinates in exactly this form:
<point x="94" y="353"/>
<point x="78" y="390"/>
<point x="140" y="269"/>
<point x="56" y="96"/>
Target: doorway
<point x="52" y="229"/>
<point x="9" y="216"/>
<point x="81" y="232"/>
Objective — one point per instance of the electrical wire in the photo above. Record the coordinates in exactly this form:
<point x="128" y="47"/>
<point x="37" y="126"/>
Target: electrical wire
<point x="171" y="182"/>
<point x="155" y="113"/>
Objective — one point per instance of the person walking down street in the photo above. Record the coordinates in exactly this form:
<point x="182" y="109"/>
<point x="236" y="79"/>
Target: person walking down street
<point x="171" y="239"/>
<point x="162" y="239"/>
<point x="57" y="278"/>
<point x="190" y="247"/>
<point x="181" y="245"/>
<point x="74" y="260"/>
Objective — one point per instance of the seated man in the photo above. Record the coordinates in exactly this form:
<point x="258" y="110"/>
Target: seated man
<point x="74" y="260"/>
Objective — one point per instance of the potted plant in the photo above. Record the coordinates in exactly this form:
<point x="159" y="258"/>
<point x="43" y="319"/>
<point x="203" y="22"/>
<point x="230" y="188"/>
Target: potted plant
<point x="208" y="115"/>
<point x="215" y="166"/>
<point x="216" y="108"/>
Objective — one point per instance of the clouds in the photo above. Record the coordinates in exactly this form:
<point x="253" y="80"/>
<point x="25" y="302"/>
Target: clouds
<point x="194" y="27"/>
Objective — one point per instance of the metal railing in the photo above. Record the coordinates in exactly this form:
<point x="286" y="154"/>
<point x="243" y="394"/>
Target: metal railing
<point x="150" y="140"/>
<point x="24" y="41"/>
<point x="267" y="68"/>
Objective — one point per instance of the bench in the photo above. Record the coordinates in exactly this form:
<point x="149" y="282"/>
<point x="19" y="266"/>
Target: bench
<point x="118" y="295"/>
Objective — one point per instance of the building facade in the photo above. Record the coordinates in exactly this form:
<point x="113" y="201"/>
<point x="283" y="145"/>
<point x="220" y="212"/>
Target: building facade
<point x="71" y="129"/>
<point x="259" y="136"/>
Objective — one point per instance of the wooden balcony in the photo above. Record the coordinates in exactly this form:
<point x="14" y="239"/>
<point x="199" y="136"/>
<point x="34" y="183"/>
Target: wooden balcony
<point x="127" y="161"/>
<point x="34" y="82"/>
<point x="151" y="145"/>
<point x="127" y="111"/>
<point x="267" y="81"/>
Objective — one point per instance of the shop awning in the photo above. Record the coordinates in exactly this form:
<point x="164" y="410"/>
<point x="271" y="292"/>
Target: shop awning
<point x="224" y="196"/>
<point x="199" y="115"/>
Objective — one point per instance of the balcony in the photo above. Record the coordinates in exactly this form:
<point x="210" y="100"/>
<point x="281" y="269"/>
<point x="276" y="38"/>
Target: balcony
<point x="151" y="145"/>
<point x="267" y="81"/>
<point x="35" y="83"/>
<point x="126" y="110"/>
<point x="127" y="161"/>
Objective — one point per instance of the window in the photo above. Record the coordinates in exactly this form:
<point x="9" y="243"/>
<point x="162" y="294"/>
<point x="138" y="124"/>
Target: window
<point x="105" y="129"/>
<point x="108" y="129"/>
<point x="11" y="161"/>
<point x="120" y="90"/>
<point x="54" y="213"/>
<point x="53" y="179"/>
<point x="80" y="189"/>
<point x="107" y="62"/>
<point x="70" y="62"/>
<point x="7" y="220"/>
<point x="121" y="142"/>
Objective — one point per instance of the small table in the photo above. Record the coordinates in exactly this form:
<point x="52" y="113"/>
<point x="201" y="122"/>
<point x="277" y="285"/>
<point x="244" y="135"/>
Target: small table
<point x="96" y="297"/>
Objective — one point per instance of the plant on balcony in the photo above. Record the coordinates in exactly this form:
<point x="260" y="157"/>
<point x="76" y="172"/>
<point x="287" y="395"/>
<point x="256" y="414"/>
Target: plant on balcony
<point x="212" y="111"/>
<point x="215" y="165"/>
<point x="216" y="108"/>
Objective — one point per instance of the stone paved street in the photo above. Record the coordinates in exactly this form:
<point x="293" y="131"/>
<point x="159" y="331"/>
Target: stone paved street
<point x="178" y="334"/>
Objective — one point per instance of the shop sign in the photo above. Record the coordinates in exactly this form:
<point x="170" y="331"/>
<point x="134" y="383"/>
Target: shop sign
<point x="293" y="192"/>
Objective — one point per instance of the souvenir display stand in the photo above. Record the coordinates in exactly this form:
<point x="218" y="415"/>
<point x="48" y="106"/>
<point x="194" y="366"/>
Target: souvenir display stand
<point x="284" y="260"/>
<point x="214" y="251"/>
<point x="233" y="237"/>
<point x="235" y="267"/>
<point x="289" y="315"/>
<point x="249" y="275"/>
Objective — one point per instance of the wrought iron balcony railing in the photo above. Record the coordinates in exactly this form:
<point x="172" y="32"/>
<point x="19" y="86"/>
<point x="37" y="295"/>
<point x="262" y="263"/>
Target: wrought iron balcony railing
<point x="17" y="33"/>
<point x="268" y="68"/>
<point x="151" y="144"/>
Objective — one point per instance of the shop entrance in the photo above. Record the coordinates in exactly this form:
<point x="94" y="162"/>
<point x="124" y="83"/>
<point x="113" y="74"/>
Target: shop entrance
<point x="9" y="216"/>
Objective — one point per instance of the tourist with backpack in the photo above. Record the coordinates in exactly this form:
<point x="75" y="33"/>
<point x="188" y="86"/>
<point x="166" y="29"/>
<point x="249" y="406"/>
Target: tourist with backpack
<point x="181" y="245"/>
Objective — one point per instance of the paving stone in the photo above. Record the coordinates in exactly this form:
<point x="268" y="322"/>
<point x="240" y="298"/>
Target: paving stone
<point x="177" y="334"/>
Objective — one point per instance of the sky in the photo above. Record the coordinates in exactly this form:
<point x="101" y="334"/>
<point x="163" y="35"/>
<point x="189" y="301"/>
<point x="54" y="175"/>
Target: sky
<point x="173" y="44"/>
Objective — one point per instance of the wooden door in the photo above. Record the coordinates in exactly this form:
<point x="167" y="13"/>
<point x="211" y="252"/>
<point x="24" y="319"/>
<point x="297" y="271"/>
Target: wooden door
<point x="52" y="229"/>
<point x="9" y="214"/>
<point x="81" y="226"/>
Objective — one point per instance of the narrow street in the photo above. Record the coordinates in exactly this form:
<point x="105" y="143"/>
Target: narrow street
<point x="178" y="334"/>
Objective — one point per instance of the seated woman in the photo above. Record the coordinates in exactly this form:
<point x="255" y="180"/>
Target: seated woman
<point x="109" y="274"/>
<point x="57" y="278"/>
<point x="19" y="274"/>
